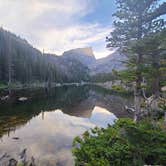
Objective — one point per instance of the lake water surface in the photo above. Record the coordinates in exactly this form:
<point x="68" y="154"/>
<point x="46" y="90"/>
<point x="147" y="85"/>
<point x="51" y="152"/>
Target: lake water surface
<point x="48" y="121"/>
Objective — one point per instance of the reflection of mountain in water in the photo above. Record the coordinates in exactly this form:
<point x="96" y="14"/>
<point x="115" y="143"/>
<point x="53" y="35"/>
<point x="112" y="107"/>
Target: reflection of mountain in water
<point x="102" y="117"/>
<point x="75" y="101"/>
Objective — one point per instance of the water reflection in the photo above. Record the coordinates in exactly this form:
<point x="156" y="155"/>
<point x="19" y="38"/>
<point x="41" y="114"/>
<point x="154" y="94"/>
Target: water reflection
<point x="101" y="117"/>
<point x="47" y="123"/>
<point x="50" y="140"/>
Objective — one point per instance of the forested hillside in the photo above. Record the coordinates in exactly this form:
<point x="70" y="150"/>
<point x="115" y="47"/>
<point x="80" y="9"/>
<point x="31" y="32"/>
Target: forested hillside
<point x="21" y="63"/>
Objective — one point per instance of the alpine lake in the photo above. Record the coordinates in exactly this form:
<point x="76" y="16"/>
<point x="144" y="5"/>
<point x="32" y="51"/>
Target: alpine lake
<point x="47" y="122"/>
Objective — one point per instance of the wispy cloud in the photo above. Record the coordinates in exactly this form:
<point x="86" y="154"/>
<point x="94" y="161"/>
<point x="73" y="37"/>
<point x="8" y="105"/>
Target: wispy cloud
<point x="72" y="37"/>
<point x="53" y="25"/>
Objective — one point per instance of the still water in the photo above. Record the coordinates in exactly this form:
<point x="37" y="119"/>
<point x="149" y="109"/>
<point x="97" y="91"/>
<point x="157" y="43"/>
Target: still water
<point x="48" y="121"/>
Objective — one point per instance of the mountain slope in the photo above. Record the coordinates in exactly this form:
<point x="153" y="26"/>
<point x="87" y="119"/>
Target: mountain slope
<point x="68" y="69"/>
<point x="96" y="66"/>
<point x="20" y="62"/>
<point x="107" y="64"/>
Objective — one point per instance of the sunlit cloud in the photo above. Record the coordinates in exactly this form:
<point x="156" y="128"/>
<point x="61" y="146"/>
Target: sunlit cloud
<point x="72" y="37"/>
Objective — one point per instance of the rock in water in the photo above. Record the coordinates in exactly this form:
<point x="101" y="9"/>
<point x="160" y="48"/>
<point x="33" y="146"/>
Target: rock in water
<point x="22" y="99"/>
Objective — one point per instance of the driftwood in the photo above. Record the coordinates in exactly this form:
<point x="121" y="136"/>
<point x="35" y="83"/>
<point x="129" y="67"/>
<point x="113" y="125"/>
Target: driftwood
<point x="3" y="98"/>
<point x="153" y="101"/>
<point x="137" y="115"/>
<point x="129" y="109"/>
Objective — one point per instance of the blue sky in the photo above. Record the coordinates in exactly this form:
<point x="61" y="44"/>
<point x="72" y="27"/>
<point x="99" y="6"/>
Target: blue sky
<point x="60" y="25"/>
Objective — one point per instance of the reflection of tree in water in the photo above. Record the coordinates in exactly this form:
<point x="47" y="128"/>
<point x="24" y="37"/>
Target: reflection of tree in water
<point x="75" y="101"/>
<point x="14" y="114"/>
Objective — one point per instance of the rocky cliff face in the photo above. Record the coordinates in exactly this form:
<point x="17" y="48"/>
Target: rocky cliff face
<point x="67" y="68"/>
<point x="84" y="55"/>
<point x="103" y="65"/>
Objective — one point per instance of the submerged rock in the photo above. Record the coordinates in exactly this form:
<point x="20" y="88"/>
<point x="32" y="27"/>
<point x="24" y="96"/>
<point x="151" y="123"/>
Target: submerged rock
<point x="22" y="99"/>
<point x="15" y="138"/>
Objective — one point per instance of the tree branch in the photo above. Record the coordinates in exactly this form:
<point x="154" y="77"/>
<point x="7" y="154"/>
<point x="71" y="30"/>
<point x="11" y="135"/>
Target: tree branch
<point x="161" y="10"/>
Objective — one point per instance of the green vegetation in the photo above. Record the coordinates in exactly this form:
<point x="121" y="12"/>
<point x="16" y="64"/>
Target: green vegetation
<point x="139" y="33"/>
<point x="119" y="88"/>
<point x="125" y="143"/>
<point x="113" y="91"/>
<point x="102" y="77"/>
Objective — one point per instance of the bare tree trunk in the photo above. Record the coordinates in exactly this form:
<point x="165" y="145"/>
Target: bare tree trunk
<point x="137" y="104"/>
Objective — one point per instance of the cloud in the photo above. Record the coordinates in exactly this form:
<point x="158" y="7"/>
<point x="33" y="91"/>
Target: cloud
<point x="72" y="37"/>
<point x="53" y="25"/>
<point x="32" y="14"/>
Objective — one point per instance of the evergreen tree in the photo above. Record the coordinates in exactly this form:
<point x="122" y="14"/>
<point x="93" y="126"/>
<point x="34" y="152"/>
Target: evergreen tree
<point x="136" y="19"/>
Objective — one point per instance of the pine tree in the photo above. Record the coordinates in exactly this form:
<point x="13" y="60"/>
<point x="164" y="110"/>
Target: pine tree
<point x="136" y="19"/>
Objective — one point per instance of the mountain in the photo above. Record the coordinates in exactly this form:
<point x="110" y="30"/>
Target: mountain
<point x="68" y="69"/>
<point x="20" y="62"/>
<point x="84" y="55"/>
<point x="107" y="64"/>
<point x="96" y="66"/>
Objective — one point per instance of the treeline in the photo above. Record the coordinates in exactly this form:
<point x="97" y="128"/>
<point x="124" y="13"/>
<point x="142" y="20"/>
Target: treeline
<point x="21" y="63"/>
<point x="103" y="77"/>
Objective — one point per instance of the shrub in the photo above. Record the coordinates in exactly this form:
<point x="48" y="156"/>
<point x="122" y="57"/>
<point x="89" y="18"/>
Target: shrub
<point x="125" y="143"/>
<point x="119" y="88"/>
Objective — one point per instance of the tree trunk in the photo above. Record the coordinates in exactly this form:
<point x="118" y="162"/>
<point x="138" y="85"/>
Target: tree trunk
<point x="137" y="103"/>
<point x="138" y="91"/>
<point x="156" y="75"/>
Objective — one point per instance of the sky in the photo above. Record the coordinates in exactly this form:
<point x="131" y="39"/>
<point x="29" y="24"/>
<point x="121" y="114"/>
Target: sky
<point x="60" y="25"/>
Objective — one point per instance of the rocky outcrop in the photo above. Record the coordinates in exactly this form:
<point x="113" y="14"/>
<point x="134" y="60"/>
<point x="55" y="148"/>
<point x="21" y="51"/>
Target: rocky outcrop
<point x="83" y="55"/>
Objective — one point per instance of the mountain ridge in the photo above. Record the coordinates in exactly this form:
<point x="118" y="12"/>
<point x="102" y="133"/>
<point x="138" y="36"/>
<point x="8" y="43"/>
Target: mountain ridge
<point x="20" y="61"/>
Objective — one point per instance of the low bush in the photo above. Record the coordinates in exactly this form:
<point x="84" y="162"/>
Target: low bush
<point x="125" y="143"/>
<point x="119" y="88"/>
